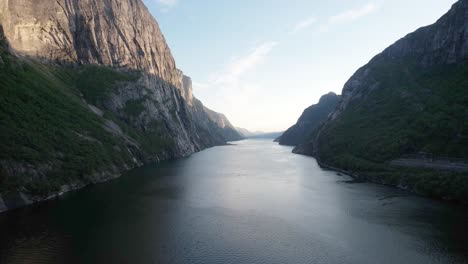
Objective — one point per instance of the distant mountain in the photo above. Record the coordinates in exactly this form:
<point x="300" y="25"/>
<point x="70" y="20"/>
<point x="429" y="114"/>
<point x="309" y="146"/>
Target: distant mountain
<point x="311" y="119"/>
<point x="89" y="89"/>
<point x="403" y="117"/>
<point x="245" y="132"/>
<point x="267" y="135"/>
<point x="258" y="134"/>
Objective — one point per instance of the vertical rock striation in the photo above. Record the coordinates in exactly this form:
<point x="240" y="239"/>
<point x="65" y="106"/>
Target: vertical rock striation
<point x="115" y="33"/>
<point x="89" y="89"/>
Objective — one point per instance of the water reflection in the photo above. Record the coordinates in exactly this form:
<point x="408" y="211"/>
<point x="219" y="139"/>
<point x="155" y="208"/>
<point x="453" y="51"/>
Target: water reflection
<point x="254" y="202"/>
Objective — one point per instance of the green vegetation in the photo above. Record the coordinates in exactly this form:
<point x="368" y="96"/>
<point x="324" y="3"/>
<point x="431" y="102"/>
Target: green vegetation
<point x="134" y="107"/>
<point x="156" y="138"/>
<point x="97" y="82"/>
<point x="47" y="127"/>
<point x="414" y="110"/>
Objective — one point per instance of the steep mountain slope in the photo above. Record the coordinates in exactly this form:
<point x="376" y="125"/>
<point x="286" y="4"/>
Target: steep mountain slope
<point x="106" y="32"/>
<point x="309" y="122"/>
<point x="89" y="89"/>
<point x="410" y="101"/>
<point x="222" y="123"/>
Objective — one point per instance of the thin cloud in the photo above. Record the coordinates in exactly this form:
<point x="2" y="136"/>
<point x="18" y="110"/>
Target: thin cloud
<point x="303" y="24"/>
<point x="169" y="3"/>
<point x="233" y="91"/>
<point x="353" y="14"/>
<point x="242" y="65"/>
<point x="348" y="16"/>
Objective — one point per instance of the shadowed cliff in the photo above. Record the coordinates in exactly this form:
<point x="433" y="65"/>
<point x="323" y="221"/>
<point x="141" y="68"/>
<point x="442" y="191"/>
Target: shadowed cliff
<point x="403" y="117"/>
<point x="89" y="89"/>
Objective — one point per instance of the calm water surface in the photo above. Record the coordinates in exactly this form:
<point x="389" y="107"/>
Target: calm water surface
<point x="254" y="202"/>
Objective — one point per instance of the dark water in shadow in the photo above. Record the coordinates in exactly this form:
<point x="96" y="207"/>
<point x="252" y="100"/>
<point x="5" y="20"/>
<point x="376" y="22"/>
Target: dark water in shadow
<point x="250" y="203"/>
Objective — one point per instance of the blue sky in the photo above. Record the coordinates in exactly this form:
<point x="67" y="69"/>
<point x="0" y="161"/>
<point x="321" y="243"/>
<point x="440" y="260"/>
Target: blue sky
<point x="262" y="62"/>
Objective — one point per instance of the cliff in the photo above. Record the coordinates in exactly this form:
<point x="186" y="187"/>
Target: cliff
<point x="89" y="89"/>
<point x="229" y="132"/>
<point x="409" y="101"/>
<point x="105" y="32"/>
<point x="309" y="122"/>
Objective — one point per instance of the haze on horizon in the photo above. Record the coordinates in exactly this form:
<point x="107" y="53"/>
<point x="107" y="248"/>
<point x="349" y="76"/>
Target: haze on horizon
<point x="261" y="63"/>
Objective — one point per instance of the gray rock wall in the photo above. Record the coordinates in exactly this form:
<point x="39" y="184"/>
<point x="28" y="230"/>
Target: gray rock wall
<point x="107" y="32"/>
<point x="120" y="34"/>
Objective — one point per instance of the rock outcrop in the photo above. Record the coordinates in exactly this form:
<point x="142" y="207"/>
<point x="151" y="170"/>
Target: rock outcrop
<point x="106" y="32"/>
<point x="309" y="122"/>
<point x="89" y="89"/>
<point x="227" y="129"/>
<point x="215" y="122"/>
<point x="187" y="90"/>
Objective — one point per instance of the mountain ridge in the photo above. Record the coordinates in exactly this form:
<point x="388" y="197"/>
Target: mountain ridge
<point x="310" y="120"/>
<point x="408" y="101"/>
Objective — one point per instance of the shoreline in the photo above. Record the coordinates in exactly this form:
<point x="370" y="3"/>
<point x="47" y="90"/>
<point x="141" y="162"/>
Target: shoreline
<point x="406" y="188"/>
<point x="17" y="200"/>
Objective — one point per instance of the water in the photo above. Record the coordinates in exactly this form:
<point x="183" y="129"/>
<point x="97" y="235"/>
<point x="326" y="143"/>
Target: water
<point x="254" y="202"/>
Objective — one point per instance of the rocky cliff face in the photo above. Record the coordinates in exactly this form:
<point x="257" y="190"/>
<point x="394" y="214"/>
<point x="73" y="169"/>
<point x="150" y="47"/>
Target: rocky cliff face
<point x="215" y="122"/>
<point x="106" y="32"/>
<point x="309" y="122"/>
<point x="187" y="91"/>
<point x="89" y="89"/>
<point x="227" y="129"/>
<point x="409" y="101"/>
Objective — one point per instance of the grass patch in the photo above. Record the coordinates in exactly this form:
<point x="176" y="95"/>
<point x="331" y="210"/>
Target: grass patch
<point x="134" y="107"/>
<point x="97" y="82"/>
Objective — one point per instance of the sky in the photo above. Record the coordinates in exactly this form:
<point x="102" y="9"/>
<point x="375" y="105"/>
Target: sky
<point x="262" y="62"/>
